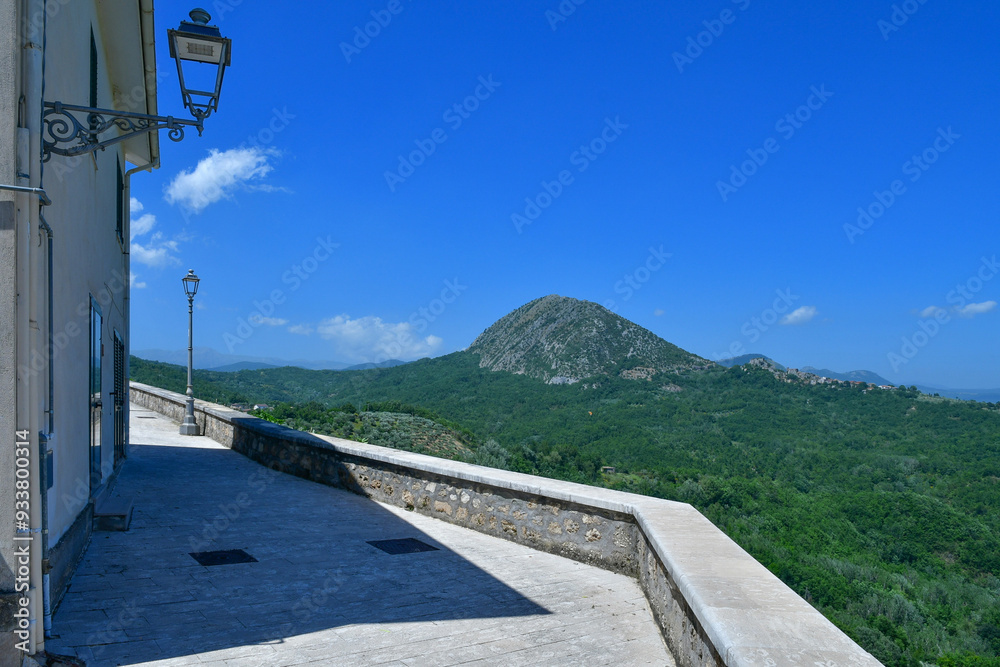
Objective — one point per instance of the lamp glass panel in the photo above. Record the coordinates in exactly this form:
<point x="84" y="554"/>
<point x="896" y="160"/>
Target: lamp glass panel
<point x="190" y="285"/>
<point x="198" y="49"/>
<point x="200" y="80"/>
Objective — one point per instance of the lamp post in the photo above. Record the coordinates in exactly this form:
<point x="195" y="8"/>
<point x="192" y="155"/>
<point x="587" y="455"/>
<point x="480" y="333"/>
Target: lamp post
<point x="202" y="55"/>
<point x="190" y="281"/>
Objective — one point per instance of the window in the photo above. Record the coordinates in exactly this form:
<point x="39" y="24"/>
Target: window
<point x="93" y="69"/>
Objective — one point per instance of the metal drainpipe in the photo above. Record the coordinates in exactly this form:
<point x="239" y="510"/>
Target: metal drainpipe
<point x="29" y="169"/>
<point x="46" y="437"/>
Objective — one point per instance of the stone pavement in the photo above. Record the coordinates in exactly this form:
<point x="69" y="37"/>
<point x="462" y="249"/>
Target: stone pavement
<point x="318" y="593"/>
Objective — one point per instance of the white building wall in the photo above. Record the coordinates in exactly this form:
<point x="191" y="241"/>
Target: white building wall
<point x="88" y="261"/>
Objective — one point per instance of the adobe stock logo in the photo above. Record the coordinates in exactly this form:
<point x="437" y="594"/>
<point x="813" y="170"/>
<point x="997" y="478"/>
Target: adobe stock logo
<point x="633" y="281"/>
<point x="455" y="116"/>
<point x="294" y="277"/>
<point x="898" y="18"/>
<point x="434" y="309"/>
<point x="363" y="37"/>
<point x="932" y="319"/>
<point x="915" y="167"/>
<point x="713" y="30"/>
<point x="581" y="158"/>
<point x="420" y="319"/>
<point x="757" y="325"/>
<point x="787" y="126"/>
<point x="563" y="11"/>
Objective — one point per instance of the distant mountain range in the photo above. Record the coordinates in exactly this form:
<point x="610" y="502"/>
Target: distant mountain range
<point x="206" y="358"/>
<point x="241" y="366"/>
<point x="257" y="365"/>
<point x="988" y="395"/>
<point x="850" y="376"/>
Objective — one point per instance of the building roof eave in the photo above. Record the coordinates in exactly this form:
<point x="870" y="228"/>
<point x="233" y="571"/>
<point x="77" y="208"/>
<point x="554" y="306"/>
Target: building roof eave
<point x="148" y="28"/>
<point x="127" y="31"/>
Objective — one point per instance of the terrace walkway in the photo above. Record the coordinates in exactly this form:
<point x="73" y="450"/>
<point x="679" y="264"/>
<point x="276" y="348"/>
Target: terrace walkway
<point x="318" y="592"/>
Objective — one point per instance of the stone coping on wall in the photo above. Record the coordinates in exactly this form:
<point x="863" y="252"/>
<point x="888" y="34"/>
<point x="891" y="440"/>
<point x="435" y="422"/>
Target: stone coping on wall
<point x="735" y="611"/>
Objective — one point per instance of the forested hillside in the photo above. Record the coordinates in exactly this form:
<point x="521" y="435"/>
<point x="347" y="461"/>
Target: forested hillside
<point x="879" y="507"/>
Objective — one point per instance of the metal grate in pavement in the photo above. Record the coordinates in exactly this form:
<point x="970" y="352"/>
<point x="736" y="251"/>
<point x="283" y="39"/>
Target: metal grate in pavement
<point x="228" y="557"/>
<point x="408" y="545"/>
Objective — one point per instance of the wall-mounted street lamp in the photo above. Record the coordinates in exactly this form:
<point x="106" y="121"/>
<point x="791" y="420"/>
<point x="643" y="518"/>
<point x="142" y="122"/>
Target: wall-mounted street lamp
<point x="70" y="130"/>
<point x="190" y="281"/>
<point x="197" y="42"/>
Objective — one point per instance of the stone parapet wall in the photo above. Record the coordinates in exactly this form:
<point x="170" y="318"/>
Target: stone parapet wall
<point x="592" y="535"/>
<point x="714" y="603"/>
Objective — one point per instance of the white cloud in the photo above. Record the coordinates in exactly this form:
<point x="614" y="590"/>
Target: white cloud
<point x="257" y="318"/>
<point x="973" y="309"/>
<point x="133" y="281"/>
<point x="931" y="311"/>
<point x="800" y="315"/>
<point x="300" y="329"/>
<point x="369" y="338"/>
<point x="658" y="312"/>
<point x="143" y="225"/>
<point x="157" y="252"/>
<point x="219" y="175"/>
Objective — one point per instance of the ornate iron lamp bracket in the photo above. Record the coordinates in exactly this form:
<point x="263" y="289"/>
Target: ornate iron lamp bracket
<point x="71" y="130"/>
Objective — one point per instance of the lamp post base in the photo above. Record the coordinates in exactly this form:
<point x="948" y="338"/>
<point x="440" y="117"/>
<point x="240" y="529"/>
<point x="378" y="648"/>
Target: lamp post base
<point x="190" y="426"/>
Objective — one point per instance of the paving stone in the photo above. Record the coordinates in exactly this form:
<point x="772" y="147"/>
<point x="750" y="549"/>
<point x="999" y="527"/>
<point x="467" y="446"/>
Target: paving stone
<point x="319" y="594"/>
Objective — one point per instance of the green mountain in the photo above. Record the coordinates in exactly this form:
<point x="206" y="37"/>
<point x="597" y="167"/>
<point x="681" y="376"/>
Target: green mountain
<point x="560" y="340"/>
<point x="881" y="508"/>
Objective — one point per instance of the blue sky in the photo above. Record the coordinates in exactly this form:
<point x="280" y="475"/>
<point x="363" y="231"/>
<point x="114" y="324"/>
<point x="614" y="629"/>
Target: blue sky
<point x="698" y="167"/>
